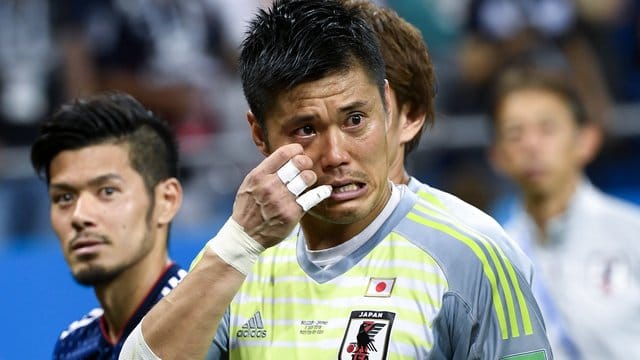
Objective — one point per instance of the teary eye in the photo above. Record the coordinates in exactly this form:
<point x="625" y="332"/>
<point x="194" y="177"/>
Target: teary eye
<point x="355" y="119"/>
<point x="305" y="131"/>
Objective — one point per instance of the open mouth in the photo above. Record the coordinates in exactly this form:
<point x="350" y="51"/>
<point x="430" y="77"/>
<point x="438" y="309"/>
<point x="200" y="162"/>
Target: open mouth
<point x="347" y="188"/>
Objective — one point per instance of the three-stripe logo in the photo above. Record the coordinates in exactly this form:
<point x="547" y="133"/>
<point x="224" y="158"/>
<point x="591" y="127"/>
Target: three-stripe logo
<point x="253" y="328"/>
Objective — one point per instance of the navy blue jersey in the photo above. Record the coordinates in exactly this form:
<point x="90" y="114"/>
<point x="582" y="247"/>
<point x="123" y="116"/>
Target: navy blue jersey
<point x="86" y="339"/>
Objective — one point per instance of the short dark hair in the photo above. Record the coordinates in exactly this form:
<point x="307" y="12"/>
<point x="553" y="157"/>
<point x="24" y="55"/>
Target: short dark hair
<point x="530" y="77"/>
<point x="408" y="66"/>
<point x="109" y="117"/>
<point x="297" y="41"/>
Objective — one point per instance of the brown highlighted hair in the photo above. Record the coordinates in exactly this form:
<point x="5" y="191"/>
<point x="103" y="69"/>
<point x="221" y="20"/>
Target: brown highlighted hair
<point x="408" y="66"/>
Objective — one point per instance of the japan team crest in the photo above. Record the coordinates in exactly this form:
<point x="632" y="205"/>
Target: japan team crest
<point x="367" y="335"/>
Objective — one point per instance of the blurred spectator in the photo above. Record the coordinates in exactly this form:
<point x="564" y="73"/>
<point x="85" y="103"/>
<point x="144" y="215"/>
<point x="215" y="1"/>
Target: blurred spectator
<point x="439" y="21"/>
<point x="442" y="25"/>
<point x="167" y="53"/>
<point x="502" y="33"/>
<point x="28" y="64"/>
<point x="613" y="29"/>
<point x="29" y="89"/>
<point x="583" y="243"/>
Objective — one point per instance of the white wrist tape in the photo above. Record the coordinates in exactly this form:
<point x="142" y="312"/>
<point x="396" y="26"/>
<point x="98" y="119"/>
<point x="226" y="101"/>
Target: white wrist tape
<point x="136" y="348"/>
<point x="235" y="247"/>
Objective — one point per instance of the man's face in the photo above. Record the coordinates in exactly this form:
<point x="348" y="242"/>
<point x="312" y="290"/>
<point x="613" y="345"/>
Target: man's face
<point x="537" y="141"/>
<point x="100" y="211"/>
<point x="340" y="121"/>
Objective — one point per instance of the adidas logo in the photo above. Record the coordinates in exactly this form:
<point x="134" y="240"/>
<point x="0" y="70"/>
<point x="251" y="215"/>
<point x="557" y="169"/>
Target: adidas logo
<point x="253" y="328"/>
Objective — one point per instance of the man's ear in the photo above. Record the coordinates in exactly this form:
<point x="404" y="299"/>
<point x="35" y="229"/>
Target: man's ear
<point x="168" y="195"/>
<point x="590" y="140"/>
<point x="411" y="122"/>
<point x="258" y="134"/>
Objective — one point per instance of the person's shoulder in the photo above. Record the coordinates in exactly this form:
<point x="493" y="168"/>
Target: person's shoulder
<point x="458" y="208"/>
<point x="82" y="338"/>
<point x="81" y="330"/>
<point x="465" y="215"/>
<point x="479" y="271"/>
<point x="462" y="250"/>
<point x="171" y="278"/>
<point x="175" y="273"/>
<point x="439" y="233"/>
<point x="612" y="207"/>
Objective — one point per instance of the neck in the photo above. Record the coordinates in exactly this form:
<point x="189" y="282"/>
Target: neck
<point x="542" y="207"/>
<point x="121" y="297"/>
<point x="398" y="174"/>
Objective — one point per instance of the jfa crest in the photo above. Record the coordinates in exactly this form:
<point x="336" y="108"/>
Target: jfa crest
<point x="367" y="335"/>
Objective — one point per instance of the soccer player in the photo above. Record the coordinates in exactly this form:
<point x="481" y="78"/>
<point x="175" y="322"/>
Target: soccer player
<point x="372" y="271"/>
<point x="111" y="168"/>
<point x="583" y="243"/>
<point x="411" y="78"/>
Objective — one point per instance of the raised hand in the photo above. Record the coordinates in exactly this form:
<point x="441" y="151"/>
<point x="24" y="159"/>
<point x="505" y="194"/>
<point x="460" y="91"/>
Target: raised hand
<point x="268" y="203"/>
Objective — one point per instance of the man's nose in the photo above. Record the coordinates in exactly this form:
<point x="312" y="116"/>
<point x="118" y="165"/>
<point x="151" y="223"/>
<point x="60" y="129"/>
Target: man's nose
<point x="83" y="211"/>
<point x="333" y="149"/>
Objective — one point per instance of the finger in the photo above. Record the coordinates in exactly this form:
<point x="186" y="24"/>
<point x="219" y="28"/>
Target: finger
<point x="297" y="185"/>
<point x="279" y="157"/>
<point x="313" y="197"/>
<point x="288" y="172"/>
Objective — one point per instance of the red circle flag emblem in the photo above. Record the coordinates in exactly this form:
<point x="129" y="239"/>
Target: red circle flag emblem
<point x="380" y="287"/>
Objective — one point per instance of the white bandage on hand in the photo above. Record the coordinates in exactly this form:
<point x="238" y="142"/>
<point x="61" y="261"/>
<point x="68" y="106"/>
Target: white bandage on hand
<point x="235" y="247"/>
<point x="297" y="185"/>
<point x="313" y="197"/>
<point x="287" y="172"/>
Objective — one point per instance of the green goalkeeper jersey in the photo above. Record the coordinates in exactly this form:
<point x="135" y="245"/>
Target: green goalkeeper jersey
<point x="421" y="286"/>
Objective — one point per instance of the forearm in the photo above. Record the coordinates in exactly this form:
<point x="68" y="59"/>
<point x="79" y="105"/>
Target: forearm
<point x="184" y="323"/>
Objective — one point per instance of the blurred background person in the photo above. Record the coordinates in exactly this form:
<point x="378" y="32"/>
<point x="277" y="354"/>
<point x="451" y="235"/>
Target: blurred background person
<point x="583" y="242"/>
<point x="409" y="71"/>
<point x="29" y="79"/>
<point x="611" y="28"/>
<point x="111" y="168"/>
<point x="502" y="33"/>
<point x="164" y="53"/>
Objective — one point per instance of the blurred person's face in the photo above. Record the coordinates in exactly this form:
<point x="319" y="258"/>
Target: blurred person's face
<point x="404" y="126"/>
<point x="538" y="142"/>
<point x="341" y="123"/>
<point x="100" y="211"/>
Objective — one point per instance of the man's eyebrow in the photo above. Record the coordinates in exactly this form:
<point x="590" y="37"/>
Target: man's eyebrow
<point x="355" y="105"/>
<point x="298" y="120"/>
<point x="93" y="182"/>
